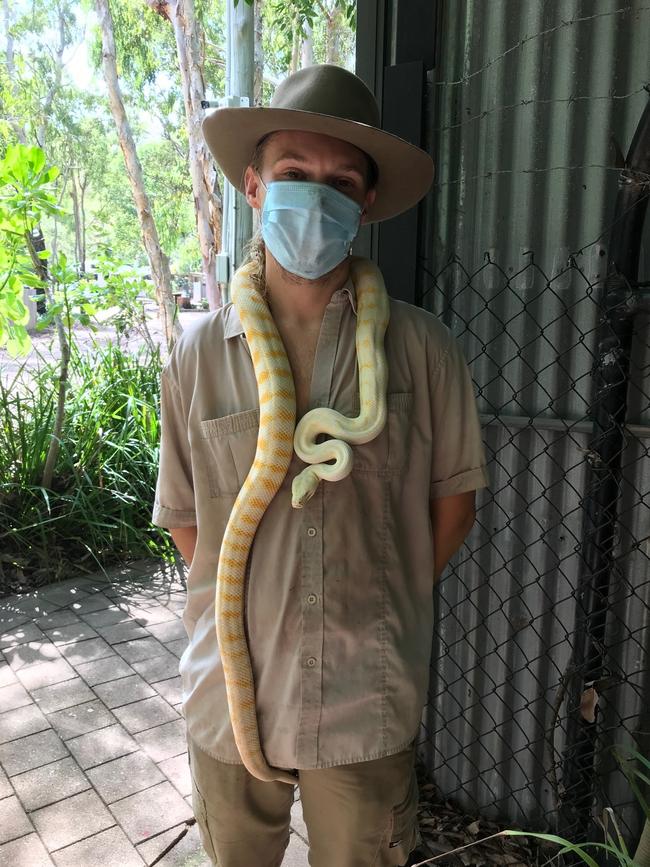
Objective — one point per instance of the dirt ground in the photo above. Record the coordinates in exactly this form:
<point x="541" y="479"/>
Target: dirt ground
<point x="45" y="346"/>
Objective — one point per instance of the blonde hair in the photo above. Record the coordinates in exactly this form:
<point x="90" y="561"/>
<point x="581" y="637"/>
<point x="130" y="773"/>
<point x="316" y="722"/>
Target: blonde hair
<point x="255" y="253"/>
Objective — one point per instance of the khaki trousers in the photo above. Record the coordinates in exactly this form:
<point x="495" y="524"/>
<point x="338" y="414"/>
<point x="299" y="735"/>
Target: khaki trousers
<point x="361" y="815"/>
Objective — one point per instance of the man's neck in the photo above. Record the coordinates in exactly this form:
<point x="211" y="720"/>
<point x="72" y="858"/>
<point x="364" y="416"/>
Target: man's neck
<point x="295" y="301"/>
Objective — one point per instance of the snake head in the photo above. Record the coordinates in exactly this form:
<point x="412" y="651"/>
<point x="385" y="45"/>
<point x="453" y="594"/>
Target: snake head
<point x="303" y="487"/>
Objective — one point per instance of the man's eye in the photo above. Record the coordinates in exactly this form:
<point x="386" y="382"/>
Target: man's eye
<point x="345" y="183"/>
<point x="293" y="174"/>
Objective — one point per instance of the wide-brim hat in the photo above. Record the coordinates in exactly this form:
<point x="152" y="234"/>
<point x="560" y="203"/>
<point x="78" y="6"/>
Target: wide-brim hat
<point x="331" y="101"/>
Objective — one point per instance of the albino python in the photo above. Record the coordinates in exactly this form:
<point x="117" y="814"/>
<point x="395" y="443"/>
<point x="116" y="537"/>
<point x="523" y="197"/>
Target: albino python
<point x="274" y="451"/>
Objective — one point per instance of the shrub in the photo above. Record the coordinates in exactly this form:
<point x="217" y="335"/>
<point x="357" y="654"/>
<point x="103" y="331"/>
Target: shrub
<point x="97" y="510"/>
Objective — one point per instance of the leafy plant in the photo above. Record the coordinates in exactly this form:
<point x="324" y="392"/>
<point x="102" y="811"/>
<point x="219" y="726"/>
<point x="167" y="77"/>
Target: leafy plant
<point x="25" y="197"/>
<point x="97" y="510"/>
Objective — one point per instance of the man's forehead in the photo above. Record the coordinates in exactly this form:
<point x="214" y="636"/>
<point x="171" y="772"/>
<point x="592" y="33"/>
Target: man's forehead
<point x="302" y="146"/>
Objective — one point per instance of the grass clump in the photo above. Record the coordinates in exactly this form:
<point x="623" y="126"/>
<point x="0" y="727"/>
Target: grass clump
<point x="97" y="510"/>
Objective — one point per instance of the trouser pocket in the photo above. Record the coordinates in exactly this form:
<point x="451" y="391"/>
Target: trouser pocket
<point x="404" y="835"/>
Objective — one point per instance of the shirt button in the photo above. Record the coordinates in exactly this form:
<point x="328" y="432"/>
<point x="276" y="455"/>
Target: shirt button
<point x="312" y="599"/>
<point x="311" y="662"/>
<point x="311" y="531"/>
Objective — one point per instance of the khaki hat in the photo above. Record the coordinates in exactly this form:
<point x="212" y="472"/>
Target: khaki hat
<point x="329" y="100"/>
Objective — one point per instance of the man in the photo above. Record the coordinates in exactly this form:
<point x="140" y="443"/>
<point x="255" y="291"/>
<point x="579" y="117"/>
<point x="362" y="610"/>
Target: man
<point x="339" y="595"/>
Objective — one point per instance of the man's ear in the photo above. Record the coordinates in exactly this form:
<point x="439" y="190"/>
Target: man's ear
<point x="253" y="188"/>
<point x="371" y="195"/>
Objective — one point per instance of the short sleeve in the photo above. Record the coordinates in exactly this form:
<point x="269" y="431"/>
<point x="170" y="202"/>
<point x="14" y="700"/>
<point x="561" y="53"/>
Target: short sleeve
<point x="458" y="456"/>
<point x="174" y="504"/>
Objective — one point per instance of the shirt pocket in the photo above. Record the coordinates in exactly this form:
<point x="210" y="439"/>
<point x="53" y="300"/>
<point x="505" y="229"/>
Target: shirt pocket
<point x="228" y="445"/>
<point x="389" y="451"/>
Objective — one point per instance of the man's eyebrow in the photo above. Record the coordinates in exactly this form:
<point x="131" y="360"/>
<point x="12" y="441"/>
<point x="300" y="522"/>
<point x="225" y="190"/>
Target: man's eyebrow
<point x="298" y="158"/>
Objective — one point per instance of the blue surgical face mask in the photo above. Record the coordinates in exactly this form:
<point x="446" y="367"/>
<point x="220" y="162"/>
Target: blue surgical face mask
<point x="308" y="227"/>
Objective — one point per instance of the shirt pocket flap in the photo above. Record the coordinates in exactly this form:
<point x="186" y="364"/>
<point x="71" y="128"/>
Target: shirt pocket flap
<point x="228" y="445"/>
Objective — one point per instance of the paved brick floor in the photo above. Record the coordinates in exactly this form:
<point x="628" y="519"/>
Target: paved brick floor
<point x="93" y="767"/>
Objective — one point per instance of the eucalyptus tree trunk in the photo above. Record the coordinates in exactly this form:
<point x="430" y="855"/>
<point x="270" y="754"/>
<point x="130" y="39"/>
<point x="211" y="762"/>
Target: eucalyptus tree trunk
<point x="333" y="38"/>
<point x="76" y="216"/>
<point x="258" y="53"/>
<point x="40" y="269"/>
<point x="307" y="48"/>
<point x="19" y="132"/>
<point x="295" y="47"/>
<point x="158" y="261"/>
<point x="207" y="198"/>
<point x="56" y="84"/>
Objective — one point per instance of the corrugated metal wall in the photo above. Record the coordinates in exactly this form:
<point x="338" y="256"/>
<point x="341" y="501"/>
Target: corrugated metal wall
<point x="523" y="102"/>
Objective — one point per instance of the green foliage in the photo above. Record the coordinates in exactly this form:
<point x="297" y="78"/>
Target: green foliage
<point x="124" y="292"/>
<point x="25" y="197"/>
<point x="98" y="510"/>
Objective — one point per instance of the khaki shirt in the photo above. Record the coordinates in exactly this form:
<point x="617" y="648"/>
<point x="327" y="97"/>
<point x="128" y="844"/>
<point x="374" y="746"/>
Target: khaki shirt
<point x="339" y="600"/>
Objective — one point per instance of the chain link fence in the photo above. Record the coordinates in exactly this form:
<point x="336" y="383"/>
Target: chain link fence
<point x="540" y="664"/>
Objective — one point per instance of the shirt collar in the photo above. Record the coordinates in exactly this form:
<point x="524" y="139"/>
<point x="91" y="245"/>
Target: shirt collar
<point x="233" y="326"/>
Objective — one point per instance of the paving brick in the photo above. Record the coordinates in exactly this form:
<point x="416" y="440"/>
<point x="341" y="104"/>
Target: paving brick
<point x="177" y="771"/>
<point x="83" y="718"/>
<point x="127" y="631"/>
<point x="150" y="812"/>
<point x="32" y="653"/>
<point x="145" y="714"/>
<point x="21" y="635"/>
<point x="73" y="632"/>
<point x="171" y="689"/>
<point x="63" y="594"/>
<point x="152" y="614"/>
<point x="31" y="752"/>
<point x="13" y="820"/>
<point x="42" y="675"/>
<point x="164" y="741"/>
<point x="107" y="617"/>
<point x="63" y="617"/>
<point x="54" y="782"/>
<point x="296" y="853"/>
<point x="140" y="649"/>
<point x="159" y="668"/>
<point x="188" y="852"/>
<point x="124" y="691"/>
<point x="5" y="786"/>
<point x="169" y="631"/>
<point x="109" y="849"/>
<point x="101" y="746"/>
<point x="13" y="696"/>
<point x="297" y="821"/>
<point x="103" y="670"/>
<point x="29" y="606"/>
<point x="7" y="676"/>
<point x="90" y="603"/>
<point x="25" y="852"/>
<point x="71" y="820"/>
<point x="62" y="695"/>
<point x="21" y="722"/>
<point x="175" y="608"/>
<point x="86" y="651"/>
<point x="125" y="776"/>
<point x="11" y="619"/>
<point x="177" y="647"/>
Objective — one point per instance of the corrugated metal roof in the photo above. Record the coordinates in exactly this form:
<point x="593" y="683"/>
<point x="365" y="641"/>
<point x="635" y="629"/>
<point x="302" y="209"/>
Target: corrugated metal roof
<point x="523" y="104"/>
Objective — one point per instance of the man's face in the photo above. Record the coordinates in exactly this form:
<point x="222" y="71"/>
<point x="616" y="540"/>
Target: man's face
<point x="291" y="155"/>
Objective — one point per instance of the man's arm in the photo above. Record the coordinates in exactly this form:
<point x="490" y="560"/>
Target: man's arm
<point x="185" y="540"/>
<point x="451" y="520"/>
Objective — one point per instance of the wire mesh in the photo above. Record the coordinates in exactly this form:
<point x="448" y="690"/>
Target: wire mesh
<point x="540" y="666"/>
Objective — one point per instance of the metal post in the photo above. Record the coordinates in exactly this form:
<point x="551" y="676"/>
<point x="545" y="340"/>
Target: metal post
<point x="599" y="572"/>
<point x="238" y="222"/>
